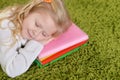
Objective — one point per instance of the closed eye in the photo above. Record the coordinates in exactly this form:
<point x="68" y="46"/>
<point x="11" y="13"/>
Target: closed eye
<point x="45" y="34"/>
<point x="36" y="24"/>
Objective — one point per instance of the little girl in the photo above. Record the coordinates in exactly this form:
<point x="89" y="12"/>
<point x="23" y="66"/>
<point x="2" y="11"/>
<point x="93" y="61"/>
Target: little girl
<point x="24" y="30"/>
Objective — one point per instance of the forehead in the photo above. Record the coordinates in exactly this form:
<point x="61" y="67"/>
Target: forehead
<point x="46" y="22"/>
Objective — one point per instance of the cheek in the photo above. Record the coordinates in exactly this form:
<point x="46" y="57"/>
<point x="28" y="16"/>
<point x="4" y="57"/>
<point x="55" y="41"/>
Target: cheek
<point x="24" y="26"/>
<point x="40" y="38"/>
<point x="26" y="23"/>
<point x="24" y="30"/>
<point x="23" y="34"/>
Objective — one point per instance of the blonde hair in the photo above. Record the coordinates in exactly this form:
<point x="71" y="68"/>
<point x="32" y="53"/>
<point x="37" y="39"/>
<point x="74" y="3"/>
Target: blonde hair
<point x="55" y="9"/>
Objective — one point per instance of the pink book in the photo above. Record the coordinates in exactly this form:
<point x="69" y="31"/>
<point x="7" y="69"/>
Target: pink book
<point x="72" y="38"/>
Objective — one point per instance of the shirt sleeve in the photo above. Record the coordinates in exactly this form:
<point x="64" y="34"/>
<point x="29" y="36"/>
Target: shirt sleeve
<point x="16" y="61"/>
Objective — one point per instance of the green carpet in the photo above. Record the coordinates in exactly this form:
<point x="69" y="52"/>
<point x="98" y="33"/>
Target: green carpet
<point x="100" y="60"/>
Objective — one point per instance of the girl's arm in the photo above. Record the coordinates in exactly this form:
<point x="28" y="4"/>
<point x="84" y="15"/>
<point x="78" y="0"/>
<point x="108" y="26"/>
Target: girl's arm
<point x="15" y="61"/>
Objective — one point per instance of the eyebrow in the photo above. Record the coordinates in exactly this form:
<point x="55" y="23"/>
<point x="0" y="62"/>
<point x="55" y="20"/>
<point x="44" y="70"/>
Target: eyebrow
<point x="39" y="25"/>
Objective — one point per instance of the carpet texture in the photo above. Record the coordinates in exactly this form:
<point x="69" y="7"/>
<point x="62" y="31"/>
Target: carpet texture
<point x="100" y="60"/>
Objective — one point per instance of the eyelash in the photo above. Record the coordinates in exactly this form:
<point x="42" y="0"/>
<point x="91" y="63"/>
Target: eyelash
<point x="36" y="24"/>
<point x="44" y="34"/>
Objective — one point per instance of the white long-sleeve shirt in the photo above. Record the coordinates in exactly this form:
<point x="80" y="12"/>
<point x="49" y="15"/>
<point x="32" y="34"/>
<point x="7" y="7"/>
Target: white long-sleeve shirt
<point x="16" y="60"/>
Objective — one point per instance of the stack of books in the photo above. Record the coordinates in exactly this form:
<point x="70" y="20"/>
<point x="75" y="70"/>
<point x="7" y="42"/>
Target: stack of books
<point x="62" y="46"/>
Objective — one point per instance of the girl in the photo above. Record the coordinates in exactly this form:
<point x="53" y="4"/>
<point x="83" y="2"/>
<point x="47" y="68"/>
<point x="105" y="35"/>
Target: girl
<point x="24" y="30"/>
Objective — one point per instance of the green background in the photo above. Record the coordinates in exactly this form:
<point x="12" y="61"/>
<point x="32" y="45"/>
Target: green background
<point x="100" y="60"/>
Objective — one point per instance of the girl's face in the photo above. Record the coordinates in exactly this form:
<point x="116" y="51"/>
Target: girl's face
<point x="38" y="26"/>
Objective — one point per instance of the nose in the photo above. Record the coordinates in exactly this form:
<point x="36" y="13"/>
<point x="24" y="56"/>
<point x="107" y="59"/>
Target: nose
<point x="36" y="32"/>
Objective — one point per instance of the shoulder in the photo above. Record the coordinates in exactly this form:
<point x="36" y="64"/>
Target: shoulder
<point x="4" y="17"/>
<point x="6" y="23"/>
<point x="4" y="14"/>
<point x="7" y="12"/>
<point x="5" y="30"/>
